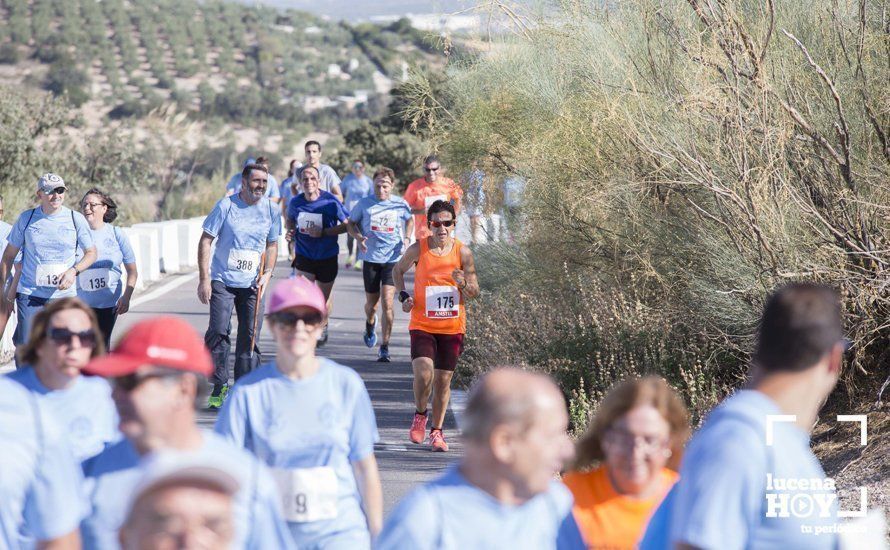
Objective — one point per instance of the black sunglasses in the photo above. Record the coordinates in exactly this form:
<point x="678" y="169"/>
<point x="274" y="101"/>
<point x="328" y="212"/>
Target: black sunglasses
<point x="57" y="191"/>
<point x="64" y="337"/>
<point x="130" y="382"/>
<point x="289" y="319"/>
<point x="447" y="223"/>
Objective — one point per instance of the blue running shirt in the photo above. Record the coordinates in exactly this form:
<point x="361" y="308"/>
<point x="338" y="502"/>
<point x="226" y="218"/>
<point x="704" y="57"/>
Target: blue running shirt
<point x="50" y="248"/>
<point x="309" y="432"/>
<point x="325" y="211"/>
<point x="102" y="284"/>
<point x="84" y="410"/>
<point x="383" y="223"/>
<point x="242" y="232"/>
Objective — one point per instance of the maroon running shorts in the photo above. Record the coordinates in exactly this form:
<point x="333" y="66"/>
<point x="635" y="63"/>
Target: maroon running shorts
<point x="443" y="349"/>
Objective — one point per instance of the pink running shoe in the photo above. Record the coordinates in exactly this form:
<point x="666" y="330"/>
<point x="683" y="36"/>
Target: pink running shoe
<point x="437" y="441"/>
<point x="418" y="429"/>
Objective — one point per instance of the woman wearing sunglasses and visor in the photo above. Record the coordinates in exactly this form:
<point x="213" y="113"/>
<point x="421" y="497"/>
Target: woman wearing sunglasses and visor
<point x="64" y="338"/>
<point x="311" y="421"/>
<point x="445" y="278"/>
<point x="100" y="286"/>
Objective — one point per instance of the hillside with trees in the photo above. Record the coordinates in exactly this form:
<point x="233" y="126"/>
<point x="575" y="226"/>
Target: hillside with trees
<point x="191" y="86"/>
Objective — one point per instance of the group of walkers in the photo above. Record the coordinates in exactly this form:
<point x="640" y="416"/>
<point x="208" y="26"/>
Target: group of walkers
<point x="290" y="462"/>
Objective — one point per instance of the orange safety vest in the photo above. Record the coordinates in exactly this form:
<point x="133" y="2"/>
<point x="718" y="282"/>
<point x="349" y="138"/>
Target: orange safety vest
<point x="438" y="304"/>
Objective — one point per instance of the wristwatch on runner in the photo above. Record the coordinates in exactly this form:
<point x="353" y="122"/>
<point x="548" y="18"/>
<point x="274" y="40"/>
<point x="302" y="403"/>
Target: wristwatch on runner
<point x="403" y="295"/>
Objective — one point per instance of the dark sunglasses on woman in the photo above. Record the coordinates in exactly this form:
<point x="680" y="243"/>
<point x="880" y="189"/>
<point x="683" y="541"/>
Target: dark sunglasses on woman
<point x="63" y="336"/>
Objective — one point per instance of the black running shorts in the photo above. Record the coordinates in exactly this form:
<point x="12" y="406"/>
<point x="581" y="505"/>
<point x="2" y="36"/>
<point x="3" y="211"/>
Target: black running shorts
<point x="376" y="276"/>
<point x="325" y="270"/>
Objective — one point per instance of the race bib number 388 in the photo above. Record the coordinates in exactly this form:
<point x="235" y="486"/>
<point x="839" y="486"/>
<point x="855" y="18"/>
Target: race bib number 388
<point x="308" y="494"/>
<point x="442" y="302"/>
<point x="245" y="261"/>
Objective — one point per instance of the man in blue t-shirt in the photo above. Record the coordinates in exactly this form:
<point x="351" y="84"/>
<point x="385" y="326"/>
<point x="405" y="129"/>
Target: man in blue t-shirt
<point x="157" y="369"/>
<point x="48" y="237"/>
<point x="381" y="225"/>
<point x="233" y="187"/>
<point x="503" y="493"/>
<point x="314" y="220"/>
<point x="246" y="228"/>
<point x="356" y="186"/>
<point x="748" y="477"/>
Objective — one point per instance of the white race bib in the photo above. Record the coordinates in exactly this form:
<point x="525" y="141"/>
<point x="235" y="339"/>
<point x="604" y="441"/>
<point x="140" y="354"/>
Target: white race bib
<point x="384" y="222"/>
<point x="50" y="274"/>
<point x="245" y="261"/>
<point x="306" y="220"/>
<point x="442" y="302"/>
<point x="95" y="279"/>
<point x="308" y="494"/>
<point x="427" y="202"/>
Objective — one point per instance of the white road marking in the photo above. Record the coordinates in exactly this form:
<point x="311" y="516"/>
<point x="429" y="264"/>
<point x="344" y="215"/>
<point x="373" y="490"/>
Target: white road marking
<point x="177" y="282"/>
<point x="457" y="405"/>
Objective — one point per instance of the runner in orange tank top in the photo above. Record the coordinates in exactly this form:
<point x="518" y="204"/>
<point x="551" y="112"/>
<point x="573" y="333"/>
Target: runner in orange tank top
<point x="445" y="279"/>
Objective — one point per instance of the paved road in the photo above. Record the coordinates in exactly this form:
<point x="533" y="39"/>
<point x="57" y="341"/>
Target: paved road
<point x="402" y="464"/>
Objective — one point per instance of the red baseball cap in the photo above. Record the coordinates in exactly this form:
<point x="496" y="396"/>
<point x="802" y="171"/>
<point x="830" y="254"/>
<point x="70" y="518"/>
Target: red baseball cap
<point x="294" y="292"/>
<point x="166" y="341"/>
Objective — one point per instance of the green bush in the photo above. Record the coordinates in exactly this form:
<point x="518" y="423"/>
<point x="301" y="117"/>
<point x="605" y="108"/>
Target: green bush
<point x="681" y="164"/>
<point x="65" y="78"/>
<point x="9" y="54"/>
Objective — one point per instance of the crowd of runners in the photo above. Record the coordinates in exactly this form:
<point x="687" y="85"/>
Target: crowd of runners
<point x="101" y="446"/>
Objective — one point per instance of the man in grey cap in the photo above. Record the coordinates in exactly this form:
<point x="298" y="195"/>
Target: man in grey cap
<point x="48" y="237"/>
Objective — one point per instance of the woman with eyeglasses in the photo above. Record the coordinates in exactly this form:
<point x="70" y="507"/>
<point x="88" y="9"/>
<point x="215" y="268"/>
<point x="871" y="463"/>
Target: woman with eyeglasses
<point x="64" y="337"/>
<point x="311" y="421"/>
<point x="48" y="237"/>
<point x="100" y="286"/>
<point x="627" y="461"/>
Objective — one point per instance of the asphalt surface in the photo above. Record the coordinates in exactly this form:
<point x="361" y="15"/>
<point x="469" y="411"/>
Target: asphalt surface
<point x="403" y="465"/>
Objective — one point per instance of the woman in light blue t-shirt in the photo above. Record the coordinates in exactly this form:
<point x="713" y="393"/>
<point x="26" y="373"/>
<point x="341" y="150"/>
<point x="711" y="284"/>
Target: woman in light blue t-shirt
<point x="100" y="286"/>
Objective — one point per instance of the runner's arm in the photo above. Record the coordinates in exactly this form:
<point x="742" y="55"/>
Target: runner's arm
<point x="71" y="541"/>
<point x="354" y="231"/>
<point x="89" y="257"/>
<point x="367" y="477"/>
<point x="470" y="288"/>
<point x="409" y="228"/>
<point x="404" y="265"/>
<point x="123" y="305"/>
<point x="9" y="255"/>
<point x="204" y="290"/>
<point x="336" y="230"/>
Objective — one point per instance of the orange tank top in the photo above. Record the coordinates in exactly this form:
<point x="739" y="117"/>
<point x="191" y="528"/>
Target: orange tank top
<point x="438" y="304"/>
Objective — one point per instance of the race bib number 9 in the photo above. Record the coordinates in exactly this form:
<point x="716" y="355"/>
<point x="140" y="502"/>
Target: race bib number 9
<point x="93" y="280"/>
<point x="245" y="261"/>
<point x="383" y="222"/>
<point x="50" y="274"/>
<point x="307" y="220"/>
<point x="308" y="494"/>
<point x="427" y="202"/>
<point x="442" y="302"/>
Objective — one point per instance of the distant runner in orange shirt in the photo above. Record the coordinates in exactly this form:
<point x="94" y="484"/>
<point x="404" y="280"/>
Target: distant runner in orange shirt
<point x="423" y="192"/>
<point x="444" y="280"/>
<point x="634" y="440"/>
